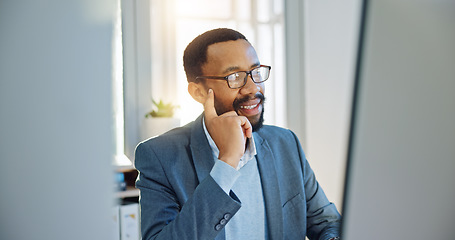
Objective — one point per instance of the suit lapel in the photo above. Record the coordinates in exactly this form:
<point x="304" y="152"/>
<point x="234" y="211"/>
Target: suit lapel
<point x="270" y="188"/>
<point x="200" y="150"/>
<point x="202" y="157"/>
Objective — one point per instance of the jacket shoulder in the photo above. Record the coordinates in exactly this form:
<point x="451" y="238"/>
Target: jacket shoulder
<point x="166" y="144"/>
<point x="269" y="132"/>
<point x="280" y="140"/>
<point x="177" y="136"/>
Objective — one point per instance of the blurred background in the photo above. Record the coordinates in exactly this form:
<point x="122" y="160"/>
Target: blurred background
<point x="78" y="77"/>
<point x="56" y="119"/>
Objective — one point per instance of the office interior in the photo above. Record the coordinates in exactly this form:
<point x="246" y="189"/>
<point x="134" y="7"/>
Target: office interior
<point x="63" y="133"/>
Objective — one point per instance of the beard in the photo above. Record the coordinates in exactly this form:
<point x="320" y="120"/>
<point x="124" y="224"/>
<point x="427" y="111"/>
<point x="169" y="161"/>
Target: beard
<point x="256" y="124"/>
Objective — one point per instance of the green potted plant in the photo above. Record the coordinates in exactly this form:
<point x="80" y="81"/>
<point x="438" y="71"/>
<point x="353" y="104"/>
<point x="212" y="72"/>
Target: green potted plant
<point x="162" y="109"/>
<point x="159" y="120"/>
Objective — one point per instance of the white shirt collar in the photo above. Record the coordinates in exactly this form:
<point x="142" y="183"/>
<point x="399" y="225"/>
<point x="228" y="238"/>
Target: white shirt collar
<point x="250" y="151"/>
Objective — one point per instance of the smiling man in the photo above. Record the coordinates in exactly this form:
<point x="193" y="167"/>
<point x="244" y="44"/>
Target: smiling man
<point x="225" y="175"/>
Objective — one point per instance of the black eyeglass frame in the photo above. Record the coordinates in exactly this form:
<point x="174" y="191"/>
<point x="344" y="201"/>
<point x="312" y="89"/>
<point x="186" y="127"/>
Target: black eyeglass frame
<point x="248" y="73"/>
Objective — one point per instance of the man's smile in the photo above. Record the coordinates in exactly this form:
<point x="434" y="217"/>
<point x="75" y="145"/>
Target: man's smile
<point x="249" y="107"/>
<point x="250" y="111"/>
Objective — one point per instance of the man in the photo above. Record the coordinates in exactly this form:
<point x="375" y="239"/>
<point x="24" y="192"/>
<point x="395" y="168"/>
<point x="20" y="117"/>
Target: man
<point x="225" y="175"/>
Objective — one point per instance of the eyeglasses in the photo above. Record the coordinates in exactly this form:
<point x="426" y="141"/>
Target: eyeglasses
<point x="239" y="79"/>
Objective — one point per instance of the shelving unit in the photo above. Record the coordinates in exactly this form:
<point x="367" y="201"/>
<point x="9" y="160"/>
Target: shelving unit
<point x="131" y="193"/>
<point x="126" y="213"/>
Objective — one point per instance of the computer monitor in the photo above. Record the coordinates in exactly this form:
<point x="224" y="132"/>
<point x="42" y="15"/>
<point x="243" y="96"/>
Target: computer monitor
<point x="400" y="180"/>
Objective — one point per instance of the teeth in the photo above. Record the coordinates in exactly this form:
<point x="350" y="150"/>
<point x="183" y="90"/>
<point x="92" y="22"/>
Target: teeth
<point x="248" y="107"/>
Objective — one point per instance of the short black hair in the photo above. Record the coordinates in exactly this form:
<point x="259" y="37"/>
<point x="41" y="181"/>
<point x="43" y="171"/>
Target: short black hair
<point x="195" y="54"/>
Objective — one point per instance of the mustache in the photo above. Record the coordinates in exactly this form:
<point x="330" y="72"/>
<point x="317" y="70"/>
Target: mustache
<point x="237" y="102"/>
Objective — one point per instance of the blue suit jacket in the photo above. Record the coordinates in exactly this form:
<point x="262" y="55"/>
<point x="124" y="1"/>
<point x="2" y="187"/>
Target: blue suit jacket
<point x="180" y="200"/>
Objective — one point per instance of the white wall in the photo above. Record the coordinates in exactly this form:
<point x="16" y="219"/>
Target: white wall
<point x="56" y="119"/>
<point x="324" y="88"/>
<point x="331" y="36"/>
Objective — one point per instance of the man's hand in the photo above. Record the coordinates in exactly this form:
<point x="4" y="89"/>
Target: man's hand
<point x="229" y="131"/>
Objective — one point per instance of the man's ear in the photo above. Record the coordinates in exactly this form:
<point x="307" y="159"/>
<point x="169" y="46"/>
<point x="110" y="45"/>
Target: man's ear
<point x="197" y="91"/>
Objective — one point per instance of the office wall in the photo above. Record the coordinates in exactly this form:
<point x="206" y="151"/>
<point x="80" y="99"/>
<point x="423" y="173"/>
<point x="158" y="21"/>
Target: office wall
<point x="56" y="119"/>
<point x="330" y="46"/>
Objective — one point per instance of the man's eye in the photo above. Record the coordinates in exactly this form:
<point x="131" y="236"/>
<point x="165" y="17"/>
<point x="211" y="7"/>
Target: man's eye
<point x="233" y="76"/>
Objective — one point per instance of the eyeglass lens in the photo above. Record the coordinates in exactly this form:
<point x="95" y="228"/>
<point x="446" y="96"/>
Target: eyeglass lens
<point x="239" y="79"/>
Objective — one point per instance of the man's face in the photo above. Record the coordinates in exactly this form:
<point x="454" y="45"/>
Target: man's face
<point x="228" y="57"/>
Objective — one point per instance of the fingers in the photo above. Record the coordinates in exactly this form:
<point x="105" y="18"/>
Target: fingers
<point x="210" y="113"/>
<point x="246" y="126"/>
<point x="229" y="131"/>
<point x="209" y="106"/>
